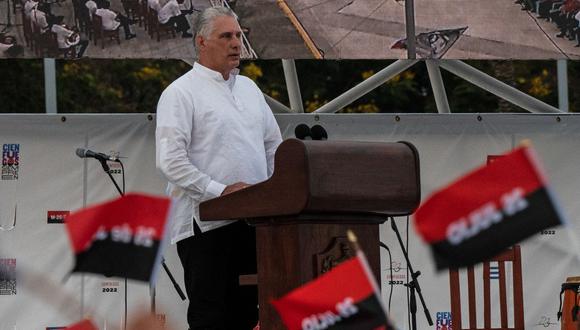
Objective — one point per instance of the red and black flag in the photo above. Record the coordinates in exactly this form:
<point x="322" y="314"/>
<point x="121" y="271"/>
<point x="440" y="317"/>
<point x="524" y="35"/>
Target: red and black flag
<point x="82" y="325"/>
<point x="487" y="210"/>
<point x="121" y="237"/>
<point x="346" y="297"/>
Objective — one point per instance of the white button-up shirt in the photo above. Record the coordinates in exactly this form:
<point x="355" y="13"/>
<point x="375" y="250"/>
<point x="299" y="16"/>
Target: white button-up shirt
<point x="108" y="17"/>
<point x="62" y="36"/>
<point x="170" y="9"/>
<point x="211" y="133"/>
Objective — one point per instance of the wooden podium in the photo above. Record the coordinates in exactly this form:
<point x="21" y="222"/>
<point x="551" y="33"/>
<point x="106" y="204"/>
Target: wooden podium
<point x="320" y="189"/>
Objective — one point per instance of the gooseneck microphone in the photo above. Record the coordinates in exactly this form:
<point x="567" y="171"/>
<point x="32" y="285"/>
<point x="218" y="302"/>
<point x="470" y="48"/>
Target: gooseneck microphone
<point x="85" y="153"/>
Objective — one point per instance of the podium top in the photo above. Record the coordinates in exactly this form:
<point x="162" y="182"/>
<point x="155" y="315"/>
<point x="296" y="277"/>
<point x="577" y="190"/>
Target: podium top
<point x="328" y="180"/>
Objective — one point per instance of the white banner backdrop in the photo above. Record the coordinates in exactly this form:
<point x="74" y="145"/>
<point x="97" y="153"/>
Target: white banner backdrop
<point x="35" y="255"/>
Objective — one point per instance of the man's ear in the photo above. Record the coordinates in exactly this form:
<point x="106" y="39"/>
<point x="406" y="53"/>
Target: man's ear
<point x="199" y="41"/>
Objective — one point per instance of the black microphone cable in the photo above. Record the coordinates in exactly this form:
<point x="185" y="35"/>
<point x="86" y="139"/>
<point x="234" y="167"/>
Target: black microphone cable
<point x="391" y="282"/>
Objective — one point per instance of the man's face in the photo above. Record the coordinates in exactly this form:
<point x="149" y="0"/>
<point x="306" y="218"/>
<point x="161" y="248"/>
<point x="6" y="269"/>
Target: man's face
<point x="221" y="51"/>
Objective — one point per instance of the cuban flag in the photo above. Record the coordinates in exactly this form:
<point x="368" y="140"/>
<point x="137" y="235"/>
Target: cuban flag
<point x="346" y="297"/>
<point x="121" y="237"/>
<point x="487" y="210"/>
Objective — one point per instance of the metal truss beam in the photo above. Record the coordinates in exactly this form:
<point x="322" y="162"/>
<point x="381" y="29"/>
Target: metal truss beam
<point x="366" y="86"/>
<point x="437" y="86"/>
<point x="293" y="86"/>
<point x="496" y="87"/>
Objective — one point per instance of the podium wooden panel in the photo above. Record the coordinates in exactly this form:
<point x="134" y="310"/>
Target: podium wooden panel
<point x="318" y="191"/>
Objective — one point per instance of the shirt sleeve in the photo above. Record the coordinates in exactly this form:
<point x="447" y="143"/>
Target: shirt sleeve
<point x="272" y="135"/>
<point x="172" y="140"/>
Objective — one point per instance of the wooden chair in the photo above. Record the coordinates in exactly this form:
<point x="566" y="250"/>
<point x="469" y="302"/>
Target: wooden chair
<point x="156" y="28"/>
<point x="101" y="33"/>
<point x="512" y="255"/>
<point x="145" y="14"/>
<point x="46" y="45"/>
<point x="27" y="30"/>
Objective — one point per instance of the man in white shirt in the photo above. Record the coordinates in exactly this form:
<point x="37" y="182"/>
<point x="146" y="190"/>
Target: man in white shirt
<point x="215" y="135"/>
<point x="29" y="6"/>
<point x="67" y="38"/>
<point x="39" y="19"/>
<point x="111" y="20"/>
<point x="91" y="7"/>
<point x="169" y="13"/>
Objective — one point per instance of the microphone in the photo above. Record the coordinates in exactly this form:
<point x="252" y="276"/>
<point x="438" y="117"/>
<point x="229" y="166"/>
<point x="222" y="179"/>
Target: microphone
<point x="302" y="132"/>
<point x="318" y="133"/>
<point x="85" y="153"/>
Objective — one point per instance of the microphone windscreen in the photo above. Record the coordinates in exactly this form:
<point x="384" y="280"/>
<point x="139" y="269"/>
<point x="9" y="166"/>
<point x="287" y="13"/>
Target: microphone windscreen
<point x="80" y="152"/>
<point x="318" y="133"/>
<point x="302" y="131"/>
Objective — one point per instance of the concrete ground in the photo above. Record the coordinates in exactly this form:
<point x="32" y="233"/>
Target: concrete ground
<point x="368" y="28"/>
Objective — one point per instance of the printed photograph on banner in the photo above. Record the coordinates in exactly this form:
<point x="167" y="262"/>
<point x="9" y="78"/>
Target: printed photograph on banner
<point x="375" y="29"/>
<point x="320" y="29"/>
<point x="104" y="28"/>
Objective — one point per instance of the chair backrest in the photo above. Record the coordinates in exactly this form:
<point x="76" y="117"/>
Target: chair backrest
<point x="513" y="256"/>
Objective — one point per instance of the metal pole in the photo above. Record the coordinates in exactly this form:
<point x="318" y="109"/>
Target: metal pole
<point x="50" y="86"/>
<point x="410" y="28"/>
<point x="563" y="85"/>
<point x="292" y="86"/>
<point x="275" y="105"/>
<point x="366" y="86"/>
<point x="496" y="87"/>
<point x="437" y="86"/>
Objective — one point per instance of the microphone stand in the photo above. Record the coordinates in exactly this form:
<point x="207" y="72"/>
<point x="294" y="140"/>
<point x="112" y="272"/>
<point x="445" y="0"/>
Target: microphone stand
<point x="107" y="170"/>
<point x="413" y="285"/>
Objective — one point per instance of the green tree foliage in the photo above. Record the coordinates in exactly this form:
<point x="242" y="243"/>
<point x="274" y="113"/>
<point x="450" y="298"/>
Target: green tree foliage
<point x="21" y="86"/>
<point x="125" y="86"/>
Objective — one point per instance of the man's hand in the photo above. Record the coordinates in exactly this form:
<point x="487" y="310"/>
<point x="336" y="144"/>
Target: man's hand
<point x="235" y="187"/>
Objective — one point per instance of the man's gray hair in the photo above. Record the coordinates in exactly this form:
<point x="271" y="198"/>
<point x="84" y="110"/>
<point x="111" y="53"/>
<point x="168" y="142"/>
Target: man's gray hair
<point x="204" y="24"/>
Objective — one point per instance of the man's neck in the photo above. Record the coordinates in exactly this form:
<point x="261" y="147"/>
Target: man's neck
<point x="225" y="74"/>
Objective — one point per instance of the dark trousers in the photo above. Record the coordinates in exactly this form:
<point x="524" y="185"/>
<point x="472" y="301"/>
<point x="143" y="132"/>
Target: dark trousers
<point x="180" y="23"/>
<point x="212" y="262"/>
<point x="125" y="23"/>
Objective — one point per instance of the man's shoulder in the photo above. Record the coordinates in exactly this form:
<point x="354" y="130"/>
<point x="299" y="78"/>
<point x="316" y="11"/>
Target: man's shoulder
<point x="246" y="82"/>
<point x="186" y="83"/>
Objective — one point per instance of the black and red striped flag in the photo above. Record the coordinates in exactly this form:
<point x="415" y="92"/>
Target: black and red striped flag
<point x="487" y="210"/>
<point x="346" y="297"/>
<point x="82" y="325"/>
<point x="121" y="237"/>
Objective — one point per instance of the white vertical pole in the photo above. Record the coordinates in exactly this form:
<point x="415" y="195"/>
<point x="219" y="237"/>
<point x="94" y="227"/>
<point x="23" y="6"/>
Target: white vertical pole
<point x="563" y="85"/>
<point x="293" y="86"/>
<point x="50" y="86"/>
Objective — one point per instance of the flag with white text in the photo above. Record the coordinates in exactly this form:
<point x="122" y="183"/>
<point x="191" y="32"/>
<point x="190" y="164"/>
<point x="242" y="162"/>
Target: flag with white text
<point x="121" y="237"/>
<point x="487" y="210"/>
<point x="344" y="298"/>
<point x="82" y="325"/>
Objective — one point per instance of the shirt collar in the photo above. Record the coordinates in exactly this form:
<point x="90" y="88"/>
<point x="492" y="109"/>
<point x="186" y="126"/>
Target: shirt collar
<point x="209" y="73"/>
